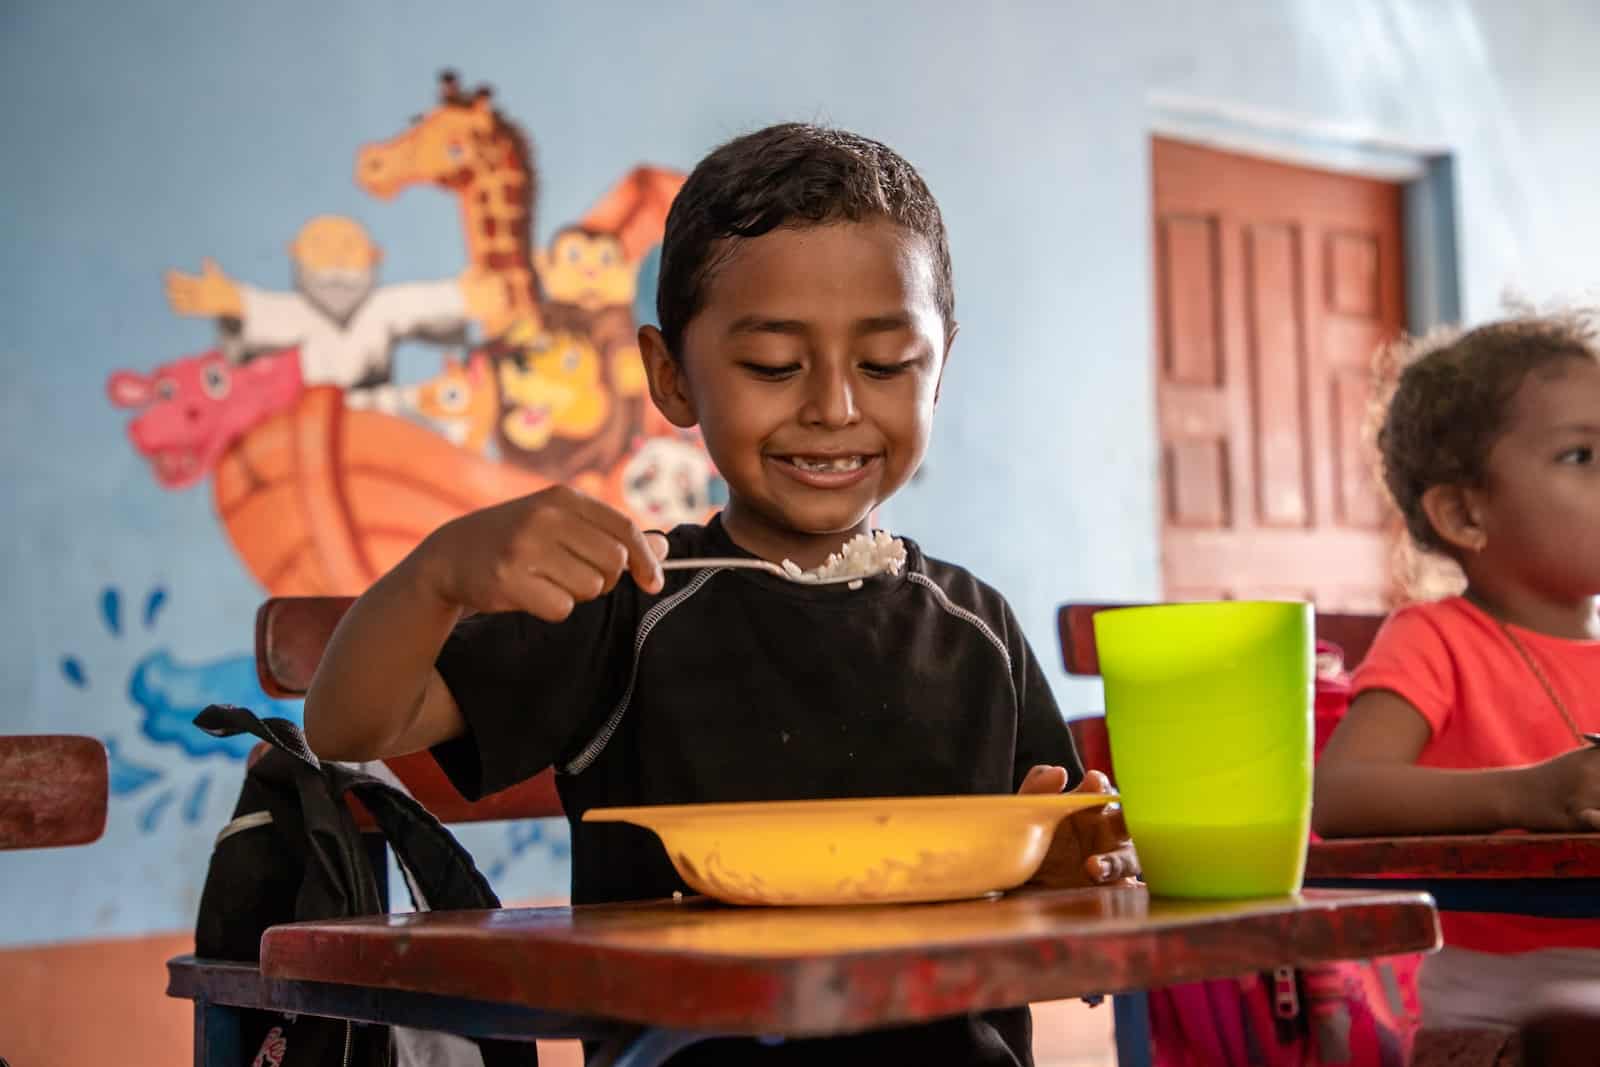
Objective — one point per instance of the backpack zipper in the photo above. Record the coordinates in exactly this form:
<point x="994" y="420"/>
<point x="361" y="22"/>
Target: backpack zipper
<point x="349" y="1038"/>
<point x="1285" y="995"/>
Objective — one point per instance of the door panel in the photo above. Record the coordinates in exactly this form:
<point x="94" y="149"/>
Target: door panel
<point x="1274" y="286"/>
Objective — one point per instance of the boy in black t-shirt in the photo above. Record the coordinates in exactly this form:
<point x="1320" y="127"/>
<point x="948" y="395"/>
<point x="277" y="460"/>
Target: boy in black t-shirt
<point x="806" y="318"/>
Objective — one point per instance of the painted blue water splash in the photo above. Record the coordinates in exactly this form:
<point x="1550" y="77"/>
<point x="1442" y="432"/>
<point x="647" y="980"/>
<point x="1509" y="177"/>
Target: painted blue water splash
<point x="151" y="815"/>
<point x="153" y="605"/>
<point x="171" y="694"/>
<point x="167" y="696"/>
<point x="127" y="776"/>
<point x="111" y="610"/>
<point x="195" y="806"/>
<point x="72" y="670"/>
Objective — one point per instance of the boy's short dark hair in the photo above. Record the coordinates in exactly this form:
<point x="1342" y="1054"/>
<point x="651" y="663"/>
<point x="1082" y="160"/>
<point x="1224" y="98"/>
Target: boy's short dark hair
<point x="793" y="174"/>
<point x="1452" y="401"/>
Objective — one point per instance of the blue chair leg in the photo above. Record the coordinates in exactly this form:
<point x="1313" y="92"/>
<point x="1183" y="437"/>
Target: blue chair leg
<point x="216" y="1035"/>
<point x="1131" y="1015"/>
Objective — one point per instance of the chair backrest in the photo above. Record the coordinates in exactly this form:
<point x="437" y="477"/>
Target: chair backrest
<point x="291" y="634"/>
<point x="53" y="790"/>
<point x="1352" y="633"/>
<point x="1093" y="744"/>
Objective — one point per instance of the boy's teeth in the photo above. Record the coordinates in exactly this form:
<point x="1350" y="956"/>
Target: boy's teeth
<point x="843" y="463"/>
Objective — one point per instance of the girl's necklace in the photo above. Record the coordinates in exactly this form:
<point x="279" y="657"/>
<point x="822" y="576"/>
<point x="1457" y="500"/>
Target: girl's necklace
<point x="1550" y="690"/>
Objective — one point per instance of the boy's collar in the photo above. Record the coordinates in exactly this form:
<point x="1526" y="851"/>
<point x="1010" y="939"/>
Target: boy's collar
<point x="720" y="543"/>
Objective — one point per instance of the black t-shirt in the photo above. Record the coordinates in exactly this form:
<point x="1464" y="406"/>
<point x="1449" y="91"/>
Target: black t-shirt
<point x="735" y="685"/>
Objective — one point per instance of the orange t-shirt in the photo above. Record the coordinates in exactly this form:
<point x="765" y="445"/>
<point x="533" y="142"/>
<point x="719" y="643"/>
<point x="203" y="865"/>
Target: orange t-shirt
<point x="1452" y="662"/>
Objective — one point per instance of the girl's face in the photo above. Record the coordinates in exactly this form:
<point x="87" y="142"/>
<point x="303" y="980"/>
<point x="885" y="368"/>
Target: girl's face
<point x="1540" y="507"/>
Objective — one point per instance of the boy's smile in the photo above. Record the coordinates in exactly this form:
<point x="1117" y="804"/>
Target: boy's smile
<point x="827" y="471"/>
<point x="812" y="370"/>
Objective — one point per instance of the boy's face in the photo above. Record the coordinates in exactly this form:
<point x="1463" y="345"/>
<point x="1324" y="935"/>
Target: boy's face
<point x="1541" y="505"/>
<point x="812" y="370"/>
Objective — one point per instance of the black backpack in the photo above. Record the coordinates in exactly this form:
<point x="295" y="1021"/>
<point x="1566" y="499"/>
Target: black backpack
<point x="293" y="852"/>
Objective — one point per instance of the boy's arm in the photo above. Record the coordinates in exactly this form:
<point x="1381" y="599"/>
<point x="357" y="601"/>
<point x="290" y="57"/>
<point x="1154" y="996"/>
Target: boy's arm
<point x="1090" y="847"/>
<point x="376" y="693"/>
<point x="1367" y="782"/>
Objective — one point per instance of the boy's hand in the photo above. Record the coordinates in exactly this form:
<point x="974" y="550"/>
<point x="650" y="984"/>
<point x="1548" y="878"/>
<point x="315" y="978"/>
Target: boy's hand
<point x="542" y="554"/>
<point x="1091" y="847"/>
<point x="1565" y="793"/>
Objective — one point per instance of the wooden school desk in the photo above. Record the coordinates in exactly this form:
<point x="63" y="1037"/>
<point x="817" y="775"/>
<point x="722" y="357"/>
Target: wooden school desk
<point x="1550" y="875"/>
<point x="652" y="978"/>
<point x="649" y="978"/>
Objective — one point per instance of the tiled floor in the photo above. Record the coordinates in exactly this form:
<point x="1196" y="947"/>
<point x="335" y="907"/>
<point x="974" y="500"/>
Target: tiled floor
<point x="1069" y="1033"/>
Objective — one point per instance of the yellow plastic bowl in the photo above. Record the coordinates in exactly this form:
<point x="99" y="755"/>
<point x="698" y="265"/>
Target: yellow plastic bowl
<point x="866" y="851"/>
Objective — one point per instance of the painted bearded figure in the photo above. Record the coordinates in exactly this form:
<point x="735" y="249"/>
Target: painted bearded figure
<point x="345" y="325"/>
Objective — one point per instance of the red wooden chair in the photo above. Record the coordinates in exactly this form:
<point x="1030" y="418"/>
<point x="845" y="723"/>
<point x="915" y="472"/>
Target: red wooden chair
<point x="53" y="790"/>
<point x="291" y="634"/>
<point x="1075" y="624"/>
<point x="1550" y="1036"/>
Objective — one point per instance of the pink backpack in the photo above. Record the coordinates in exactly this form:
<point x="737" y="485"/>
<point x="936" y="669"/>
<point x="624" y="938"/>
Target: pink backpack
<point x="1362" y="1013"/>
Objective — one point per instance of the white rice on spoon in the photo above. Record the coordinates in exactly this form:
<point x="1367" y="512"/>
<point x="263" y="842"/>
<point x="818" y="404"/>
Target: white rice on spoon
<point x="864" y="556"/>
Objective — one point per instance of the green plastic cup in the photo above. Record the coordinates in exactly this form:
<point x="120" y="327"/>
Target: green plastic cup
<point x="1209" y="708"/>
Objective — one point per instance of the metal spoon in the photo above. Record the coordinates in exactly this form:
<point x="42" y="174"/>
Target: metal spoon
<point x="709" y="563"/>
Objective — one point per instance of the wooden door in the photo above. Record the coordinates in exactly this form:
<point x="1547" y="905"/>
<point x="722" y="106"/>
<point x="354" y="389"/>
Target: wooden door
<point x="1274" y="286"/>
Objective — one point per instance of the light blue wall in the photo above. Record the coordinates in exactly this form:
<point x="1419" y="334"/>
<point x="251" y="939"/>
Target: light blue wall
<point x="139" y="137"/>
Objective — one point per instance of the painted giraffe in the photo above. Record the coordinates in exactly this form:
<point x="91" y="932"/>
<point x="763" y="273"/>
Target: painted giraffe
<point x="467" y="147"/>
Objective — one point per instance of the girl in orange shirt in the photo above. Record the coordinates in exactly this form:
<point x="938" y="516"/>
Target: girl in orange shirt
<point x="1470" y="713"/>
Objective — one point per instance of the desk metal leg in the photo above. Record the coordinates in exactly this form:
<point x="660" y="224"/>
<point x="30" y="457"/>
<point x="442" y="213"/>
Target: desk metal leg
<point x="216" y="1035"/>
<point x="1131" y="1014"/>
<point x="647" y="1048"/>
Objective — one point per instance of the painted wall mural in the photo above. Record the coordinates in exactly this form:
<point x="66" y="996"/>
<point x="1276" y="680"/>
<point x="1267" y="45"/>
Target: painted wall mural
<point x="324" y="468"/>
<point x="323" y="471"/>
<point x="166" y="693"/>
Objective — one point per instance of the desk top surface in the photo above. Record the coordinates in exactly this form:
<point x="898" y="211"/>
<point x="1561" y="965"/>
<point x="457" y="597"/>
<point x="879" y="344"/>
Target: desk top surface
<point x="1505" y="855"/>
<point x="693" y="964"/>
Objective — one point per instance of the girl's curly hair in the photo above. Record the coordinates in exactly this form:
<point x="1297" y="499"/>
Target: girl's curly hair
<point x="1452" y="398"/>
